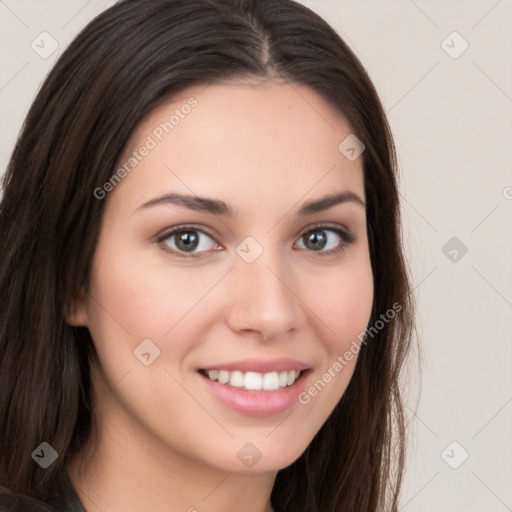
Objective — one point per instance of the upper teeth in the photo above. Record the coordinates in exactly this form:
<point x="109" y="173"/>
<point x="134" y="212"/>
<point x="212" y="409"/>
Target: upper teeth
<point x="254" y="380"/>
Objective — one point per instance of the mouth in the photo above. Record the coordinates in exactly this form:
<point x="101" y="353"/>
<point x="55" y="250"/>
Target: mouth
<point x="272" y="390"/>
<point x="254" y="381"/>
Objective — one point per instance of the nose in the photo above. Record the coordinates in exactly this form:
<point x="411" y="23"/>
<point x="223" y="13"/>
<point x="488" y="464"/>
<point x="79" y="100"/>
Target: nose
<point x="261" y="298"/>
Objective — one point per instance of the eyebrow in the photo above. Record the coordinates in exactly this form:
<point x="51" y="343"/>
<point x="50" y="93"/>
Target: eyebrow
<point x="217" y="207"/>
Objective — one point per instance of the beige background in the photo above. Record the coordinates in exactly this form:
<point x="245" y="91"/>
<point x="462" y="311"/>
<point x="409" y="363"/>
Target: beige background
<point x="452" y="121"/>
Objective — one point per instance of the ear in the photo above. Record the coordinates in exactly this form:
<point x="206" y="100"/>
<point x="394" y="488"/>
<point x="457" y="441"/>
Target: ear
<point x="76" y="312"/>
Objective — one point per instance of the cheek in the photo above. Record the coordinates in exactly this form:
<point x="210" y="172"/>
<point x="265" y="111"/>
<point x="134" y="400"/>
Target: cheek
<point x="344" y="308"/>
<point x="344" y="305"/>
<point x="140" y="293"/>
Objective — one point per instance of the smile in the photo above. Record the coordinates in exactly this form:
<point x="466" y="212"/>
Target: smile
<point x="253" y="381"/>
<point x="256" y="387"/>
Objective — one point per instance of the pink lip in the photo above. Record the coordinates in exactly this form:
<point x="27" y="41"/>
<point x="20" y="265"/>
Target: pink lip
<point x="282" y="364"/>
<point x="256" y="403"/>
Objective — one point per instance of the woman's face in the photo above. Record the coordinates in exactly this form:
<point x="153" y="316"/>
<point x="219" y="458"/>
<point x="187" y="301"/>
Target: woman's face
<point x="245" y="289"/>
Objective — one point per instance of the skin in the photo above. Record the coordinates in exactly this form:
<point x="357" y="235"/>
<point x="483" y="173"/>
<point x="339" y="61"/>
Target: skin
<point x="165" y="442"/>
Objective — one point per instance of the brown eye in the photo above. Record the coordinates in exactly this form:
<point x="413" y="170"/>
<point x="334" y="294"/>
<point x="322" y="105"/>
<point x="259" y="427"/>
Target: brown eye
<point x="326" y="240"/>
<point x="187" y="240"/>
<point x="315" y="240"/>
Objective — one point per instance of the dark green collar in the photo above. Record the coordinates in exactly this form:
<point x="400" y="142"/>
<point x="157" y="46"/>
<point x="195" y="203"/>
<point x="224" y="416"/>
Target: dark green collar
<point x="75" y="506"/>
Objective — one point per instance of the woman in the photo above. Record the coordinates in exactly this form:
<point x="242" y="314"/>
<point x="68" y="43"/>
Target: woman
<point x="206" y="305"/>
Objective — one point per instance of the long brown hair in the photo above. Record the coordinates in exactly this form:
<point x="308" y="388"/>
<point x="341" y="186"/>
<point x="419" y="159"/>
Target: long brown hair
<point x="131" y="58"/>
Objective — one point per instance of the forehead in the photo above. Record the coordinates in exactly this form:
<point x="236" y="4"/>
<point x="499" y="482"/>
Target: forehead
<point x="270" y="138"/>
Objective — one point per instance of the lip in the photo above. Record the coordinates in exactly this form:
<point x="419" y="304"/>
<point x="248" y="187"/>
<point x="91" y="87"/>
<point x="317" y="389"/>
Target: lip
<point x="254" y="402"/>
<point x="283" y="364"/>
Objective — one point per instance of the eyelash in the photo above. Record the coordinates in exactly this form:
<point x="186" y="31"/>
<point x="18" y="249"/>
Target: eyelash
<point x="347" y="239"/>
